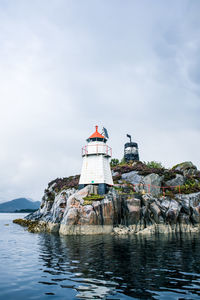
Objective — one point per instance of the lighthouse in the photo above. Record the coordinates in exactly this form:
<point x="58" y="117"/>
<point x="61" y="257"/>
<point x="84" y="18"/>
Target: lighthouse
<point x="131" y="151"/>
<point x="96" y="166"/>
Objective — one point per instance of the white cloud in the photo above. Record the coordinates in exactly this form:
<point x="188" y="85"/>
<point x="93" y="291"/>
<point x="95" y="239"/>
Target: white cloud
<point x="69" y="65"/>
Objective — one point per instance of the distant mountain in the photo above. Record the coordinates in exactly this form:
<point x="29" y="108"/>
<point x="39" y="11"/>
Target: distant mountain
<point x="20" y="204"/>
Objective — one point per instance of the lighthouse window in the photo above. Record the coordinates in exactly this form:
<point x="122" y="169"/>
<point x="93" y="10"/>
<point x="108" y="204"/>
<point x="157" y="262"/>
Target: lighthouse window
<point x="134" y="150"/>
<point x="130" y="150"/>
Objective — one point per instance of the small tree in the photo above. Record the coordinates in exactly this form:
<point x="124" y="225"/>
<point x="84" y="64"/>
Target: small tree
<point x="114" y="162"/>
<point x="123" y="161"/>
<point x="154" y="164"/>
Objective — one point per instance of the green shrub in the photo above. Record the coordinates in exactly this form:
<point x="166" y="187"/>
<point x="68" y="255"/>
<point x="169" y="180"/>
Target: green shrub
<point x="190" y="186"/>
<point x="114" y="162"/>
<point x="118" y="188"/>
<point x="123" y="161"/>
<point x="154" y="164"/>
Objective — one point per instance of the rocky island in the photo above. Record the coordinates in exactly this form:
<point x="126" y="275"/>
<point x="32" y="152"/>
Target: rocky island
<point x="145" y="198"/>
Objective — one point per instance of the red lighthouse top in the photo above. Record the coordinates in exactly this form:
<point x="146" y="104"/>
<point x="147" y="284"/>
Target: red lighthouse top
<point x="96" y="134"/>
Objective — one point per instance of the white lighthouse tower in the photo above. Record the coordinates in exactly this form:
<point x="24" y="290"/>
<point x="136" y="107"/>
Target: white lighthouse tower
<point x="96" y="167"/>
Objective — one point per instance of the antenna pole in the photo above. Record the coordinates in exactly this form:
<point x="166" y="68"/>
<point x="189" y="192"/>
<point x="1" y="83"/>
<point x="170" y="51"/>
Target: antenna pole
<point x="129" y="136"/>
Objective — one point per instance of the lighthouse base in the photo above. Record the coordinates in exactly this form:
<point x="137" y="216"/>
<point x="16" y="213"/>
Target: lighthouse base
<point x="81" y="186"/>
<point x="101" y="190"/>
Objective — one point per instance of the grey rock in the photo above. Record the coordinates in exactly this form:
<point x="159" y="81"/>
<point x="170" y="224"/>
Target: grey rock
<point x="156" y="211"/>
<point x="59" y="204"/>
<point x="188" y="168"/>
<point x="190" y="200"/>
<point x="134" y="179"/>
<point x="152" y="184"/>
<point x="164" y="205"/>
<point x="173" y="211"/>
<point x="186" y="205"/>
<point x="147" y="199"/>
<point x="138" y="213"/>
<point x="115" y="173"/>
<point x="184" y="219"/>
<point x="178" y="180"/>
<point x="85" y="229"/>
<point x="71" y="217"/>
<point x="34" y="216"/>
<point x="195" y="216"/>
<point x="132" y="212"/>
<point x="194" y="199"/>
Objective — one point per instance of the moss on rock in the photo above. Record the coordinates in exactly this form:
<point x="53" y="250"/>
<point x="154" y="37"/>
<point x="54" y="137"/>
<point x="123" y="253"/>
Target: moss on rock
<point x="26" y="223"/>
<point x="93" y="197"/>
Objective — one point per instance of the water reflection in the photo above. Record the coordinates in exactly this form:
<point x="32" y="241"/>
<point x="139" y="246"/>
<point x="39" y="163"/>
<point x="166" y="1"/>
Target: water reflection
<point x="109" y="267"/>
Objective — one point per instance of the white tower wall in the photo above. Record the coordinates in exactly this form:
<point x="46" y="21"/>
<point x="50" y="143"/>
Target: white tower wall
<point x="96" y="165"/>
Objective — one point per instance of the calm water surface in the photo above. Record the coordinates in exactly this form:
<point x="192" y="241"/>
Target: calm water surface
<point x="44" y="266"/>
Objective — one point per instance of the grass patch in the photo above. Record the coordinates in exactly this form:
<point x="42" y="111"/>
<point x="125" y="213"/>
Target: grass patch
<point x="118" y="188"/>
<point x="92" y="197"/>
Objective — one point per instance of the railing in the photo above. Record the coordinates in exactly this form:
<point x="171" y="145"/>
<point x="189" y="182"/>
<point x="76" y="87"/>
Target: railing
<point x="148" y="187"/>
<point x="97" y="149"/>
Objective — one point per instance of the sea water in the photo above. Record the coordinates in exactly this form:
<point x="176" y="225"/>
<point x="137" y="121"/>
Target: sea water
<point x="49" y="266"/>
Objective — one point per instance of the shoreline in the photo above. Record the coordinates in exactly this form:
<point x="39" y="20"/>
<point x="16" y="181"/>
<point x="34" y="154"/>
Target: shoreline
<point x="62" y="229"/>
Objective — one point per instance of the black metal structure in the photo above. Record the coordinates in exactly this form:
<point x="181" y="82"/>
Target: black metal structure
<point x="131" y="151"/>
<point x="105" y="132"/>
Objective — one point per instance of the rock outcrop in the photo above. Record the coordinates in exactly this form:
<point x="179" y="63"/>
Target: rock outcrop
<point x="178" y="180"/>
<point x="187" y="168"/>
<point x="135" y="205"/>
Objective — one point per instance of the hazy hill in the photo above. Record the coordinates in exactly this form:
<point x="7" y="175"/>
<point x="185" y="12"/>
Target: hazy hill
<point x="19" y="204"/>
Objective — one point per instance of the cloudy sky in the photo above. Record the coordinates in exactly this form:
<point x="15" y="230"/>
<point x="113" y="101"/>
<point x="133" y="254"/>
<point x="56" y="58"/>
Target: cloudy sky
<point x="67" y="65"/>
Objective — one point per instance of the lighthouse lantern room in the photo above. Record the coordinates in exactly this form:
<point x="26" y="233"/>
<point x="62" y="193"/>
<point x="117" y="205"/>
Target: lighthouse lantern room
<point x="96" y="166"/>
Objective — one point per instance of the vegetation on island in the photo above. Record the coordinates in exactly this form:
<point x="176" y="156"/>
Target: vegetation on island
<point x="136" y="198"/>
<point x="186" y="170"/>
<point x="191" y="186"/>
<point x="192" y="177"/>
<point x="64" y="183"/>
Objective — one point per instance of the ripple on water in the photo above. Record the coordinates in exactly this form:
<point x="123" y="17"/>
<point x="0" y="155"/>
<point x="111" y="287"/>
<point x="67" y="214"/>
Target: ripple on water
<point x="37" y="266"/>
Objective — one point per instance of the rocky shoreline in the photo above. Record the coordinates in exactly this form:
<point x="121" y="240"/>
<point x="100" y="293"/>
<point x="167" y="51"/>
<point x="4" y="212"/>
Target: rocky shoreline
<point x="122" y="210"/>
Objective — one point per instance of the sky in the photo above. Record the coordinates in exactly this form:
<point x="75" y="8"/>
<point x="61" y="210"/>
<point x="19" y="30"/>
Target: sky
<point x="68" y="65"/>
